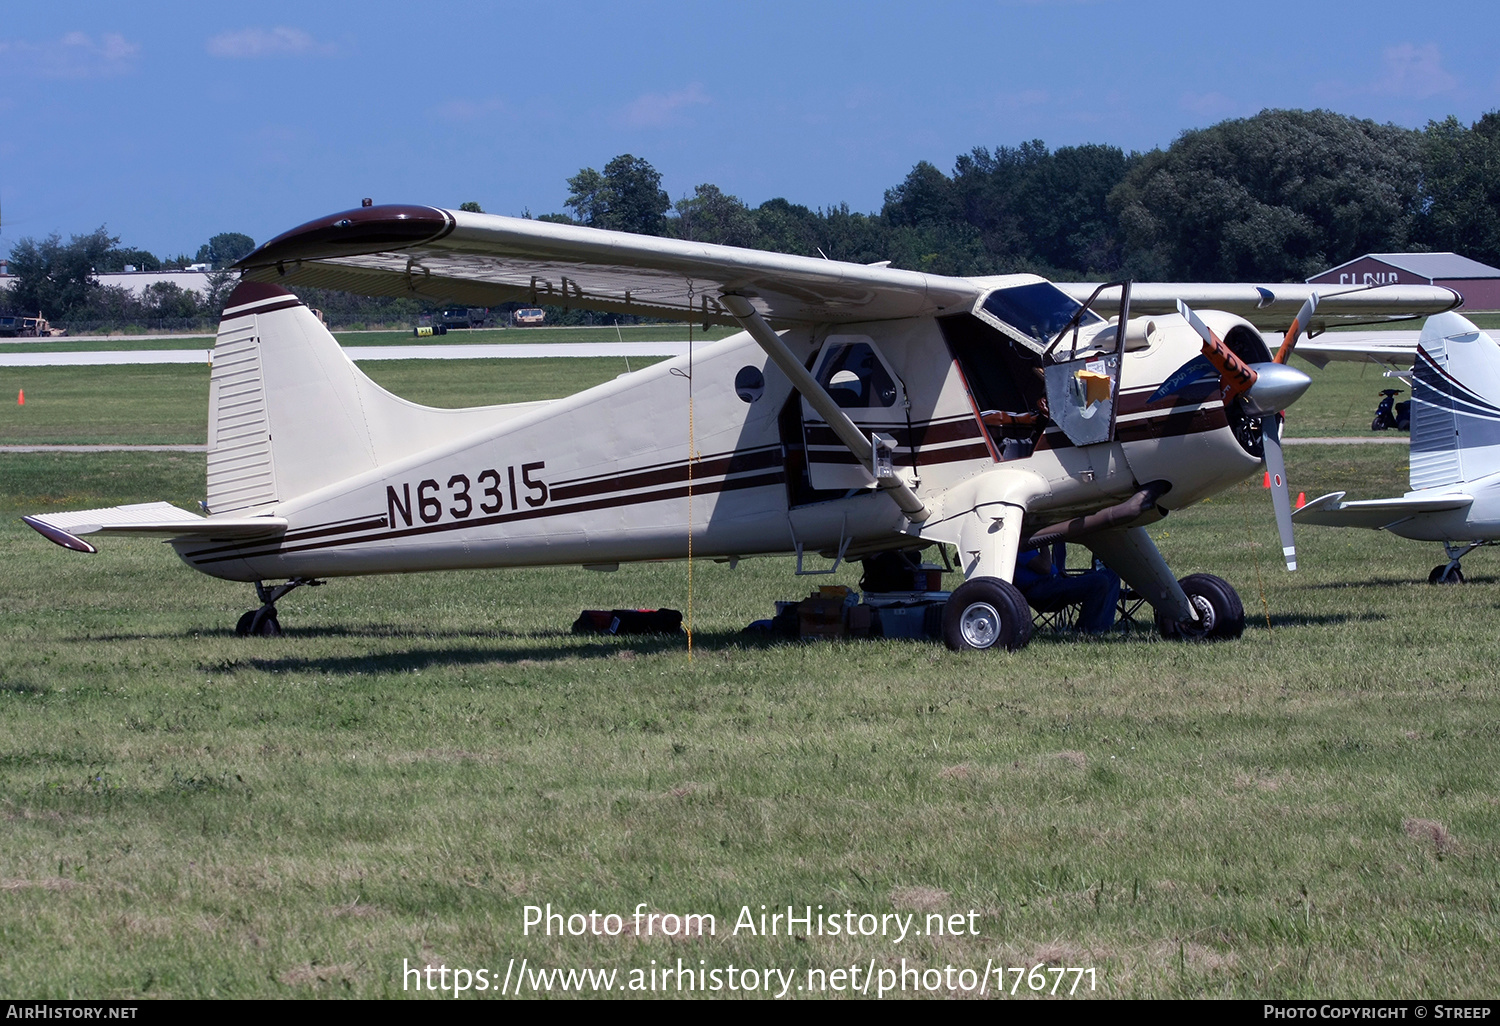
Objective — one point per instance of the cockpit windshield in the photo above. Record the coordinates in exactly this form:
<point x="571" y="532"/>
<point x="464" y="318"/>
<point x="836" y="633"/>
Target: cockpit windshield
<point x="1038" y="310"/>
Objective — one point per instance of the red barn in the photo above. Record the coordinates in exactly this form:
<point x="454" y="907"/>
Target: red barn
<point x="1478" y="283"/>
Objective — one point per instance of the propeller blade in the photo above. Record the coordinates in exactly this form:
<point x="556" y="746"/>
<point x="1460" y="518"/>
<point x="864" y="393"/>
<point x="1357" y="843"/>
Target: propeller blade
<point x="1235" y="375"/>
<point x="1300" y="324"/>
<point x="1280" y="497"/>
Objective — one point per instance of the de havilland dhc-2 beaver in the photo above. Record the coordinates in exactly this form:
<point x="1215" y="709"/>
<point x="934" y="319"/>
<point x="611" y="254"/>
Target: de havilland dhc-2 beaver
<point x="859" y="410"/>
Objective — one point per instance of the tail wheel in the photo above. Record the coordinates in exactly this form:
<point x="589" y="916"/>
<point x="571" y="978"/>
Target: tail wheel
<point x="259" y="623"/>
<point x="986" y="613"/>
<point x="1442" y="575"/>
<point x="1220" y="613"/>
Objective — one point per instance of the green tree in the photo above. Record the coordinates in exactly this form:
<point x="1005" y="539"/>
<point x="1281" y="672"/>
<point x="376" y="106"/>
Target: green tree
<point x="471" y="207"/>
<point x="225" y="248"/>
<point x="54" y="278"/>
<point x="1461" y="187"/>
<point x="119" y="258"/>
<point x="926" y="197"/>
<point x="221" y="284"/>
<point x="712" y="215"/>
<point x="586" y="197"/>
<point x="1043" y="210"/>
<point x="627" y="197"/>
<point x="637" y="202"/>
<point x="164" y="300"/>
<point x="1276" y="197"/>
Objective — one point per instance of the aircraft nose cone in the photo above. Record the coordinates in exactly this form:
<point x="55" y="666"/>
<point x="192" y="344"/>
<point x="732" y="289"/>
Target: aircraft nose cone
<point x="1276" y="387"/>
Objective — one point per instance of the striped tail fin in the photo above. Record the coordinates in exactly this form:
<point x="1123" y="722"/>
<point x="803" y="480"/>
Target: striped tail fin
<point x="289" y="412"/>
<point x="1455" y="419"/>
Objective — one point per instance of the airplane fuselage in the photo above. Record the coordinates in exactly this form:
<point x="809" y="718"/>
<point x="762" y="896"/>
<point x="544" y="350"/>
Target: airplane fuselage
<point x="718" y="444"/>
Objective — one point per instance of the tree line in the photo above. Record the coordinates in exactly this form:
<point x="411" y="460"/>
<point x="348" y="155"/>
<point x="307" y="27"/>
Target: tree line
<point x="1279" y="196"/>
<point x="60" y="280"/>
<point x="1275" y="197"/>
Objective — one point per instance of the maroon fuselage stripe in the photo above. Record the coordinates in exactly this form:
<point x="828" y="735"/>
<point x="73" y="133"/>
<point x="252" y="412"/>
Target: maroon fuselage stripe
<point x="316" y="531"/>
<point x="735" y="484"/>
<point x="736" y="463"/>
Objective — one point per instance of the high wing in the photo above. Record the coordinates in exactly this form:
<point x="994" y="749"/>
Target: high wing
<point x="483" y="259"/>
<point x="1376" y="514"/>
<point x="161" y="518"/>
<point x="1272" y="307"/>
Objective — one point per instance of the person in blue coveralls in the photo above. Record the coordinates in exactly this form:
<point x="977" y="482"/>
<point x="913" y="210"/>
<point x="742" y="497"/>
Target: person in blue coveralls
<point x="1040" y="576"/>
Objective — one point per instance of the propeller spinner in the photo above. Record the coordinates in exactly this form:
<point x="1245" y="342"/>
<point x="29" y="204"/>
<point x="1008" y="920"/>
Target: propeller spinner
<point x="1263" y="390"/>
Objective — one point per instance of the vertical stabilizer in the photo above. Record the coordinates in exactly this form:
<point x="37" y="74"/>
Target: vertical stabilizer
<point x="289" y="412"/>
<point x="1455" y="419"/>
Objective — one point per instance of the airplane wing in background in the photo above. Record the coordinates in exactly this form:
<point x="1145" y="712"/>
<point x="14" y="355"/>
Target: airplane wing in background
<point x="482" y="259"/>
<point x="160" y="518"/>
<point x="1272" y="307"/>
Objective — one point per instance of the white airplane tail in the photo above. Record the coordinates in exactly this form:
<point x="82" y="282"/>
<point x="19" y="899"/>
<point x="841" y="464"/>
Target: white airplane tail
<point x="1455" y="417"/>
<point x="289" y="412"/>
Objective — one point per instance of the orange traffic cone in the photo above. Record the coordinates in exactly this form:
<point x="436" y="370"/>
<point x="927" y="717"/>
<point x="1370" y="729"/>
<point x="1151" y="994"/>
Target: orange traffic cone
<point x="1301" y="499"/>
<point x="21" y="398"/>
<point x="1267" y="482"/>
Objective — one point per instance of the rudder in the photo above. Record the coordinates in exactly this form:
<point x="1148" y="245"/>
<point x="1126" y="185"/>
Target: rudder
<point x="290" y="413"/>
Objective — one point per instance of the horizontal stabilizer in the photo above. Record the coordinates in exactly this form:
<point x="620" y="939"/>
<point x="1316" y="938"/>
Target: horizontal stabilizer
<point x="1397" y="352"/>
<point x="1376" y="514"/>
<point x="146" y="518"/>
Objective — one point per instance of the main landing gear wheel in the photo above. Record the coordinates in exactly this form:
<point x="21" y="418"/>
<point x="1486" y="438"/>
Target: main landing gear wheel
<point x="1446" y="573"/>
<point x="986" y="613"/>
<point x="1220" y="613"/>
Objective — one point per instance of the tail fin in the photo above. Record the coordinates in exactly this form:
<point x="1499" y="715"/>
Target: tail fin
<point x="289" y="412"/>
<point x="1455" y="415"/>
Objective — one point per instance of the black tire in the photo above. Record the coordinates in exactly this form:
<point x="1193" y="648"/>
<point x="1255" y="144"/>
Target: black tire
<point x="1218" y="605"/>
<point x="1455" y="576"/>
<point x="260" y="623"/>
<point x="986" y="613"/>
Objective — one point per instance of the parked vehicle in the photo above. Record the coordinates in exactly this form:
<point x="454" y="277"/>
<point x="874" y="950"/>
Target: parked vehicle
<point x="1391" y="414"/>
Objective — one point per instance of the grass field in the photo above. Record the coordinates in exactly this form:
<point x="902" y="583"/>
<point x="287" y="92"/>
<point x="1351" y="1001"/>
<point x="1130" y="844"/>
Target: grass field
<point x="1307" y="811"/>
<point x="168" y="404"/>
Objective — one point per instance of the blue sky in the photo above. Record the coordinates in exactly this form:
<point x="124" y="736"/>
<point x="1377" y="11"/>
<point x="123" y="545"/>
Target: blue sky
<point x="171" y="122"/>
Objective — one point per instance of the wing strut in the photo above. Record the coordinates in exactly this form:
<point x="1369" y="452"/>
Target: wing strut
<point x="819" y="399"/>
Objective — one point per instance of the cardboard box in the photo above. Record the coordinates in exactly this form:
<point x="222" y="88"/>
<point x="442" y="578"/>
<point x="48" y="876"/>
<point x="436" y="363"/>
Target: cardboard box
<point x="819" y="629"/>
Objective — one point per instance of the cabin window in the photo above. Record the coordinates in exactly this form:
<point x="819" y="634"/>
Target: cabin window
<point x="856" y="379"/>
<point x="1039" y="310"/>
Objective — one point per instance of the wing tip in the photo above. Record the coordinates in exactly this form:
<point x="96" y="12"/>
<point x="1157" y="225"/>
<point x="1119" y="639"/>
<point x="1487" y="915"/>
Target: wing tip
<point x="57" y="535"/>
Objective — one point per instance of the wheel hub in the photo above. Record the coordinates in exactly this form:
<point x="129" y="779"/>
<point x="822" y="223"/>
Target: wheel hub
<point x="980" y="625"/>
<point x="1207" y="619"/>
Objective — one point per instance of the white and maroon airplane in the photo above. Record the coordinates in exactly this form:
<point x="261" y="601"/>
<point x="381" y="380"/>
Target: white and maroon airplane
<point x="861" y="409"/>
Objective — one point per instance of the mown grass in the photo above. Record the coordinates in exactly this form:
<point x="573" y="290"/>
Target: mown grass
<point x="168" y="404"/>
<point x="1307" y="811"/>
